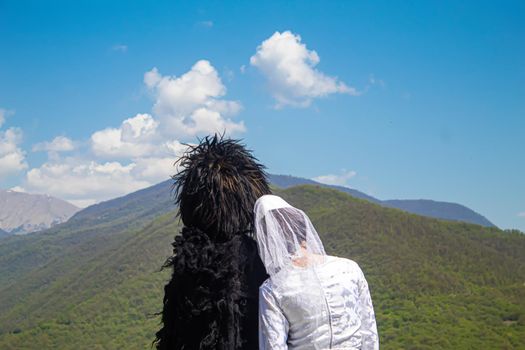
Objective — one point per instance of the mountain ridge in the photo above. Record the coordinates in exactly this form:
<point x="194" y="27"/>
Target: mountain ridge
<point x="22" y="213"/>
<point x="160" y="198"/>
<point x="4" y="233"/>
<point x="425" y="207"/>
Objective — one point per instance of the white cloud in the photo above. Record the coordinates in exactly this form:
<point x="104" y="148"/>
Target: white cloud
<point x="58" y="144"/>
<point x="339" y="180"/>
<point x="152" y="78"/>
<point x="134" y="138"/>
<point x="180" y="96"/>
<point x="522" y="214"/>
<point x="18" y="189"/>
<point x="290" y="69"/>
<point x="204" y="121"/>
<point x="12" y="163"/>
<point x="4" y="113"/>
<point x="12" y="158"/>
<point x="174" y="147"/>
<point x="143" y="159"/>
<point x="154" y="170"/>
<point x="205" y="24"/>
<point x="78" y="180"/>
<point x="143" y="149"/>
<point x="372" y="80"/>
<point x="229" y="74"/>
<point x="191" y="104"/>
<point x="84" y="182"/>
<point x="141" y="127"/>
<point x="9" y="140"/>
<point x="120" y="48"/>
<point x="2" y="116"/>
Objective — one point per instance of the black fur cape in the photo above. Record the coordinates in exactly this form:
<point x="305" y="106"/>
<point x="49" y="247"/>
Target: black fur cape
<point x="211" y="301"/>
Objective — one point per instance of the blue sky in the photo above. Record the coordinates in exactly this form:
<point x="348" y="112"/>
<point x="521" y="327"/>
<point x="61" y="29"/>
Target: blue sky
<point x="402" y="99"/>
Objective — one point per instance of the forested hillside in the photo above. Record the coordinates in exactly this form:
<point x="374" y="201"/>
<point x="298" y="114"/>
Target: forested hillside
<point x="94" y="283"/>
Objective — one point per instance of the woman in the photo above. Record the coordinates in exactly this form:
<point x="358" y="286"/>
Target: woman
<point x="311" y="300"/>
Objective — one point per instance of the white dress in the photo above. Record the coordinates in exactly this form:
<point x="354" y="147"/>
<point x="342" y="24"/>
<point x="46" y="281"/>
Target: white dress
<point x="336" y="312"/>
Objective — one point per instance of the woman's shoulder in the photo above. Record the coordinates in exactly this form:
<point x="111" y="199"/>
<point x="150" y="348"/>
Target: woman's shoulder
<point x="268" y="287"/>
<point x="344" y="262"/>
<point x="267" y="284"/>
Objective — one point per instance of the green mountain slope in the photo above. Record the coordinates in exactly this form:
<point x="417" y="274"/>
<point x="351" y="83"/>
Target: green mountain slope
<point x="95" y="292"/>
<point x="435" y="284"/>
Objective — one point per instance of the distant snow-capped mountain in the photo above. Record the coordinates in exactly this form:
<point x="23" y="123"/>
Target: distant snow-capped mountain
<point x="22" y="213"/>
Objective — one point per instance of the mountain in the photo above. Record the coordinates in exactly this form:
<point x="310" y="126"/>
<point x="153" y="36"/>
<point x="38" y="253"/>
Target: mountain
<point x="287" y="181"/>
<point x="441" y="210"/>
<point x="425" y="207"/>
<point x="22" y="213"/>
<point x="94" y="281"/>
<point x="4" y="234"/>
<point x="141" y="205"/>
<point x="158" y="199"/>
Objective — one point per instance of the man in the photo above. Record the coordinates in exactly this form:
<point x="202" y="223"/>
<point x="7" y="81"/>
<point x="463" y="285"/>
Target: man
<point x="211" y="301"/>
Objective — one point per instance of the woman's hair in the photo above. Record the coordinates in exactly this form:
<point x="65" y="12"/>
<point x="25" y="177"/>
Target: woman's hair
<point x="211" y="300"/>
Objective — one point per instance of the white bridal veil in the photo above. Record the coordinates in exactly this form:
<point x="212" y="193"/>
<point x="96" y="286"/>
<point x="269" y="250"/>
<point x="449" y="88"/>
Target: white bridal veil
<point x="286" y="237"/>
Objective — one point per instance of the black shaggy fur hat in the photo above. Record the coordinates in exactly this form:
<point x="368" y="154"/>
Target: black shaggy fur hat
<point x="211" y="300"/>
<point x="217" y="187"/>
